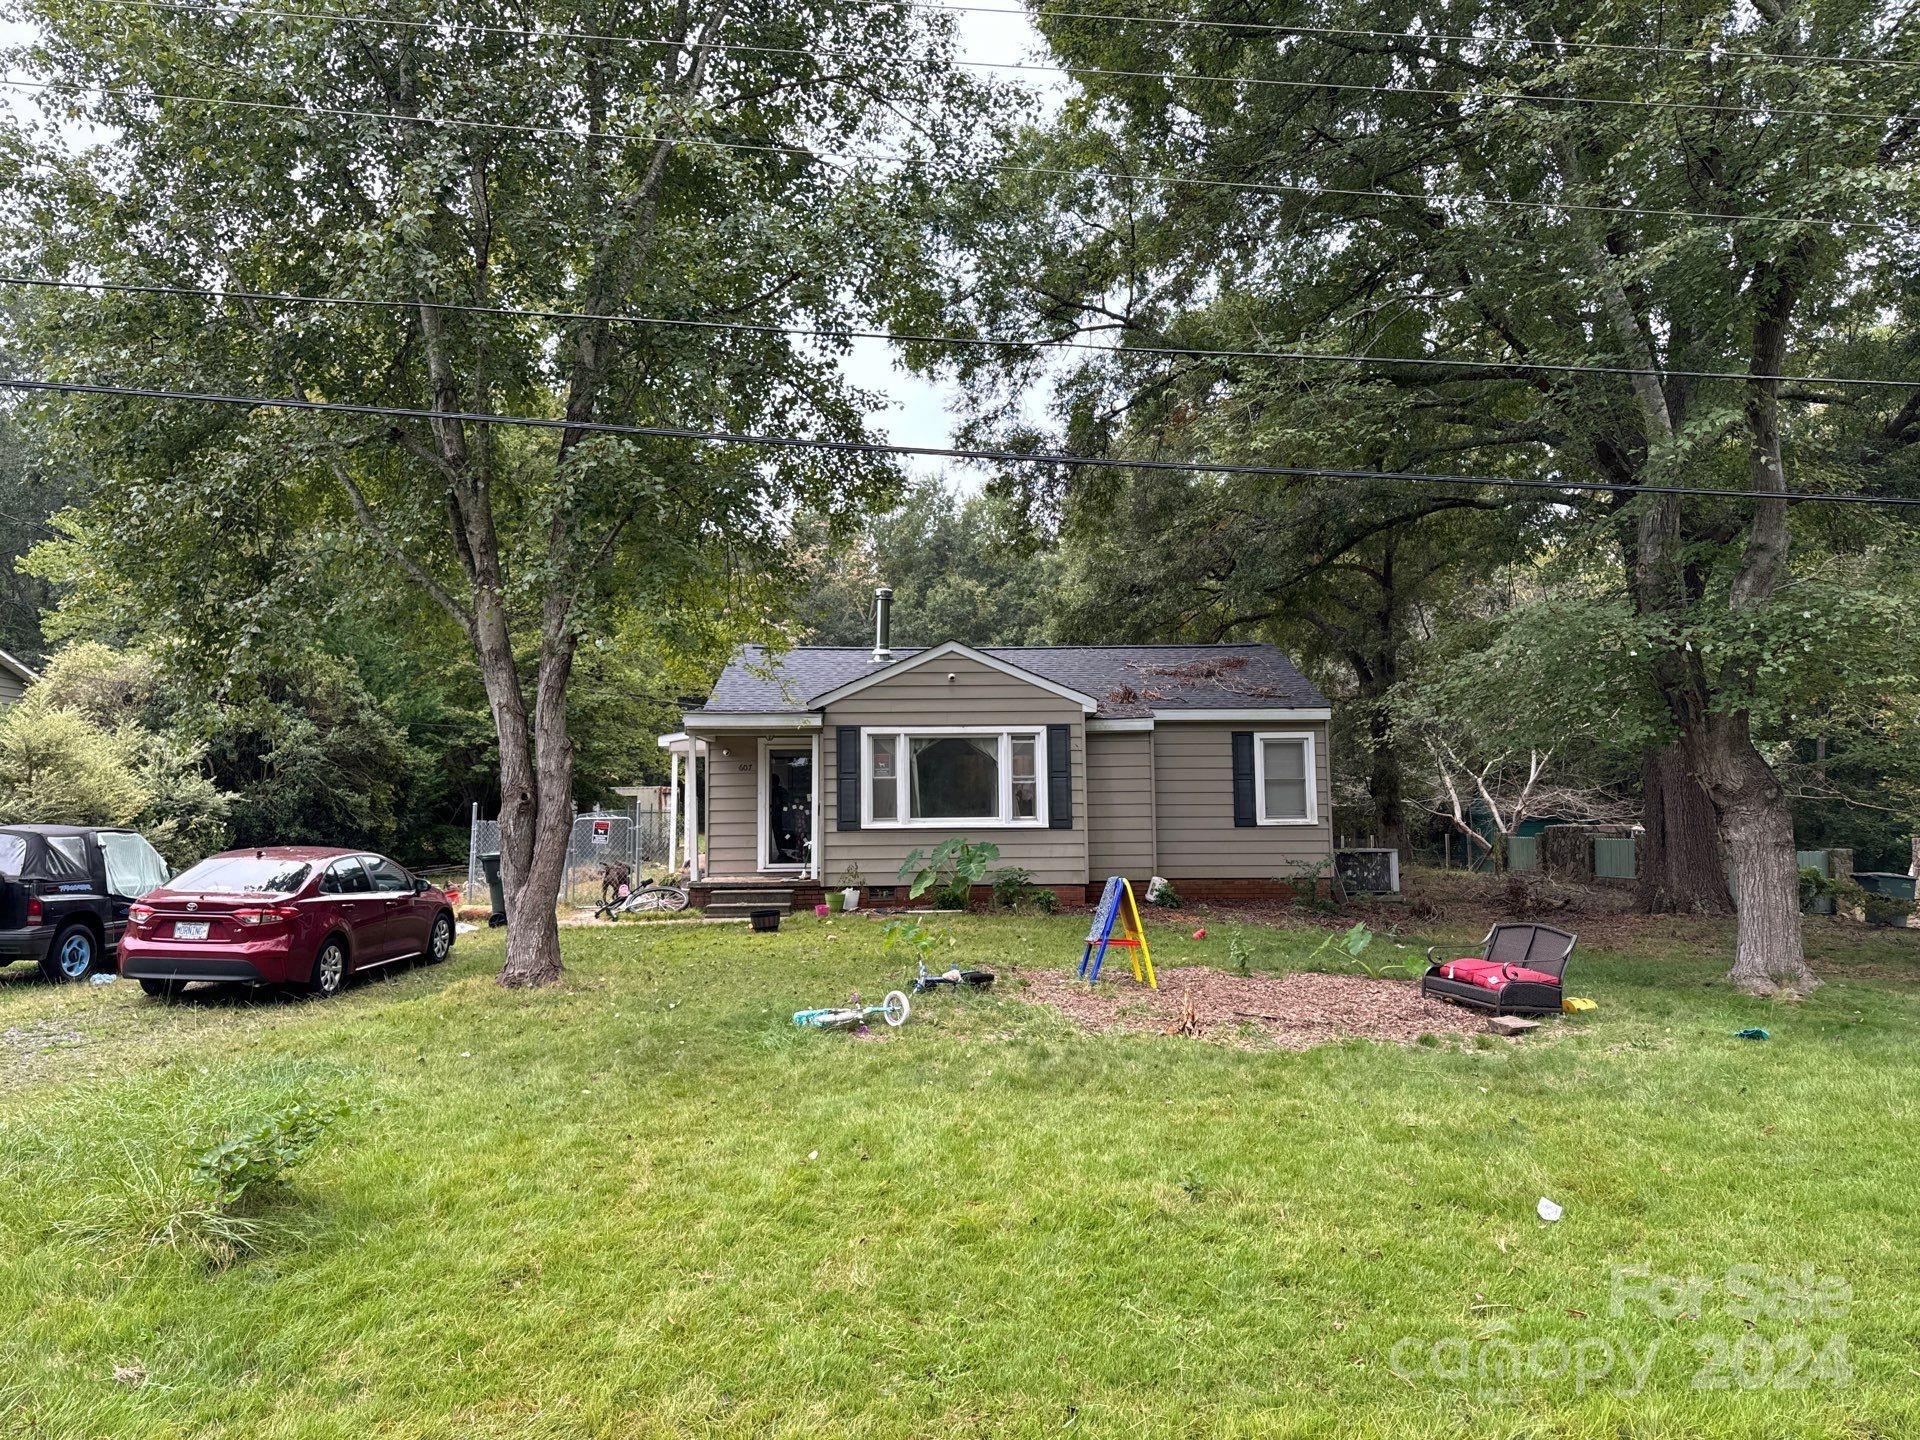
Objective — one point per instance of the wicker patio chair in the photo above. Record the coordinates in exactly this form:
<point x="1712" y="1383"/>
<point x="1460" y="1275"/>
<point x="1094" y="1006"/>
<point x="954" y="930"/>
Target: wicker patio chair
<point x="1524" y="954"/>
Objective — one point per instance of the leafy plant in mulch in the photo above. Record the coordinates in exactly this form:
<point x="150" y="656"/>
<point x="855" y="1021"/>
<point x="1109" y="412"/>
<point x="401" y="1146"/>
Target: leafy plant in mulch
<point x="1345" y="951"/>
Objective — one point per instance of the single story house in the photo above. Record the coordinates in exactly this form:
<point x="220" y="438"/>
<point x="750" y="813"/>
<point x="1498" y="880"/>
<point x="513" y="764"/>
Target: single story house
<point x="14" y="680"/>
<point x="1206" y="764"/>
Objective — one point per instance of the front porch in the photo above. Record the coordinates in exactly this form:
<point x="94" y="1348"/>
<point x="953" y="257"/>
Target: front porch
<point x="751" y="792"/>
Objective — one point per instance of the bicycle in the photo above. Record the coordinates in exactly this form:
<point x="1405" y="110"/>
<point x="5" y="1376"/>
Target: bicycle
<point x="894" y="1010"/>
<point x="619" y="896"/>
<point x="955" y="978"/>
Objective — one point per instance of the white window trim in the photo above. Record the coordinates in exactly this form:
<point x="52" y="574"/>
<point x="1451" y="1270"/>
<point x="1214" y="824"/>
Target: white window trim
<point x="762" y="831"/>
<point x="1260" y="739"/>
<point x="900" y="734"/>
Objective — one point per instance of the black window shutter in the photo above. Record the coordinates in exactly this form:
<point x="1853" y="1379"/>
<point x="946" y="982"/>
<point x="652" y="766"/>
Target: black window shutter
<point x="847" y="780"/>
<point x="1059" y="777"/>
<point x="1243" y="812"/>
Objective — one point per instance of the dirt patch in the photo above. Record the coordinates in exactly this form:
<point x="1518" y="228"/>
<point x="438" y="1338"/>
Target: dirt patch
<point x="35" y="1039"/>
<point x="1294" y="1012"/>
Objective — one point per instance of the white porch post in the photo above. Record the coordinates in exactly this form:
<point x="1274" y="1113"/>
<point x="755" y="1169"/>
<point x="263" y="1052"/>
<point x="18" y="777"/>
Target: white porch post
<point x="815" y="858"/>
<point x="673" y="811"/>
<point x="693" y="805"/>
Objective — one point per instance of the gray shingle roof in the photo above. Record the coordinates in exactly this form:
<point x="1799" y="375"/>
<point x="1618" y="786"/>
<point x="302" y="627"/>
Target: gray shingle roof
<point x="1126" y="680"/>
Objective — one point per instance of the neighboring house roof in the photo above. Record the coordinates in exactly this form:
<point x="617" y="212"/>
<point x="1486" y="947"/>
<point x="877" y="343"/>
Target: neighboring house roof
<point x="1124" y="680"/>
<point x="15" y="668"/>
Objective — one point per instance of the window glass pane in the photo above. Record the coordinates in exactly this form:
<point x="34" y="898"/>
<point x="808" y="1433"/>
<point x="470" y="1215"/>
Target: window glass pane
<point x="133" y="866"/>
<point x="954" y="777"/>
<point x="1286" y="779"/>
<point x="386" y="875"/>
<point x="883" y="779"/>
<point x="67" y="857"/>
<point x="345" y="877"/>
<point x="244" y="875"/>
<point x="1026" y="785"/>
<point x="13" y="853"/>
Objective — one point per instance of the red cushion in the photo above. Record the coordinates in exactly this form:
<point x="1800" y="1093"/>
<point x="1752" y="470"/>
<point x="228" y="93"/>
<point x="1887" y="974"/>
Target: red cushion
<point x="1493" y="974"/>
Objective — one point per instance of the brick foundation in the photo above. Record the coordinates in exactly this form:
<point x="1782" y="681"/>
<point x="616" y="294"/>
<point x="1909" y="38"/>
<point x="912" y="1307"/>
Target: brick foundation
<point x="809" y="893"/>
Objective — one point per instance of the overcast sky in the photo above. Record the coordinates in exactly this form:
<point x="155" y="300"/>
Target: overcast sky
<point x="919" y="412"/>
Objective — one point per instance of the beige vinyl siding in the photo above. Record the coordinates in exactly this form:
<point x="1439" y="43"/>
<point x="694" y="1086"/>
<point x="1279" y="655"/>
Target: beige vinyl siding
<point x="1120" y="804"/>
<point x="1193" y="807"/>
<point x="733" y="797"/>
<point x="12" y="687"/>
<point x="975" y="695"/>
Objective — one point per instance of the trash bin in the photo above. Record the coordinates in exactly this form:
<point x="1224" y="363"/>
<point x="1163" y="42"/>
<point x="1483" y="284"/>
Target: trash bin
<point x="497" y="895"/>
<point x="1889" y="896"/>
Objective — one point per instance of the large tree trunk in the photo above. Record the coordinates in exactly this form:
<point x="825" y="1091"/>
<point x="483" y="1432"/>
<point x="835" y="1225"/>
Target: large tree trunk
<point x="536" y="782"/>
<point x="1756" y="826"/>
<point x="1681" y="870"/>
<point x="1386" y="775"/>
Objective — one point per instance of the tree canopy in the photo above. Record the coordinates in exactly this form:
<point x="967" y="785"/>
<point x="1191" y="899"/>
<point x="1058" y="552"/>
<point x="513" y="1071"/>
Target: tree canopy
<point x="485" y="195"/>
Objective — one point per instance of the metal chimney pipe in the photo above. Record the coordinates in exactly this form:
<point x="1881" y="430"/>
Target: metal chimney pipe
<point x="883" y="624"/>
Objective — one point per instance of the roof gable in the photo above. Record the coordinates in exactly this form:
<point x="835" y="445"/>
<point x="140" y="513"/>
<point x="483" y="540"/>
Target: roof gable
<point x="951" y="649"/>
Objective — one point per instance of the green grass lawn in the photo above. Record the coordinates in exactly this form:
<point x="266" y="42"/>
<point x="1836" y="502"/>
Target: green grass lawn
<point x="642" y="1204"/>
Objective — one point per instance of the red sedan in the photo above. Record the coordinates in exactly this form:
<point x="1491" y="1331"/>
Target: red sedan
<point x="308" y="915"/>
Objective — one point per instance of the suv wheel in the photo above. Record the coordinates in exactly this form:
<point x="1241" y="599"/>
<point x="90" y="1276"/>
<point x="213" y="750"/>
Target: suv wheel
<point x="74" y="954"/>
<point x="329" y="969"/>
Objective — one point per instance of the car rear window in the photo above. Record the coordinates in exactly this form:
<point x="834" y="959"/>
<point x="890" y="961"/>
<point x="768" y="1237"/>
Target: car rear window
<point x="13" y="853"/>
<point x="244" y="875"/>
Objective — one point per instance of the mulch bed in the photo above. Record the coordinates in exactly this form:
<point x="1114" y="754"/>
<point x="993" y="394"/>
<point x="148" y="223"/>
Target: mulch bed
<point x="1293" y="1012"/>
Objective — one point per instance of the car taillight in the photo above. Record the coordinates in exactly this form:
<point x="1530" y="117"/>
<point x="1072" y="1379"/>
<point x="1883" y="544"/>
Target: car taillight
<point x="36" y="913"/>
<point x="139" y="915"/>
<point x="265" y="915"/>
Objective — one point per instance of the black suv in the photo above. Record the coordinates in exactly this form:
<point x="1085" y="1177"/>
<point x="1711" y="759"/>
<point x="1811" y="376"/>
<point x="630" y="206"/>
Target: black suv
<point x="64" y="893"/>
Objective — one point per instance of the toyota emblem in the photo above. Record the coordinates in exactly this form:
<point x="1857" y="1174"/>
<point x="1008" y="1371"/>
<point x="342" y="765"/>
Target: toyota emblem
<point x="193" y="904"/>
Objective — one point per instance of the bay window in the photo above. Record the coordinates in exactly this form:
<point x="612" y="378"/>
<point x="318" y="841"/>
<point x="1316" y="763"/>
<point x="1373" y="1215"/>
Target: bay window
<point x="1283" y="779"/>
<point x="952" y="776"/>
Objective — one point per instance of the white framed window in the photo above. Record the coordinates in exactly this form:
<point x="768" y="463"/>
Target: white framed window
<point x="1284" y="788"/>
<point x="953" y="776"/>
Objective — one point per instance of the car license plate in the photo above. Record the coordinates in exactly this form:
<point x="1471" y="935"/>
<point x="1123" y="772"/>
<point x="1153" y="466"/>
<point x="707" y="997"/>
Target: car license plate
<point x="189" y="929"/>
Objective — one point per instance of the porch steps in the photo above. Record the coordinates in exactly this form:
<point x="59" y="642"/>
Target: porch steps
<point x="739" y="904"/>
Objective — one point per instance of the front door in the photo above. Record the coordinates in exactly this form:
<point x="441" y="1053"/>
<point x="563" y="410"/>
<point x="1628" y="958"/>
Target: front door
<point x="786" y="824"/>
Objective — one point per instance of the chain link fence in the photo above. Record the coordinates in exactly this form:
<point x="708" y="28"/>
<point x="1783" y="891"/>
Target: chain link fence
<point x="638" y="838"/>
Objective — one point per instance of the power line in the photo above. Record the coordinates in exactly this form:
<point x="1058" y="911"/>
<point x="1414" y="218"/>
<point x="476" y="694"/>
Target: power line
<point x="875" y="447"/>
<point x="881" y="157"/>
<point x="1315" y="31"/>
<point x="745" y="48"/>
<point x="1701" y="52"/>
<point x="825" y="332"/>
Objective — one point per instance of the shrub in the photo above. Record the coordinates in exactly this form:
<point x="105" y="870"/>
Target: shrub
<point x="1885" y="909"/>
<point x="1011" y="884"/>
